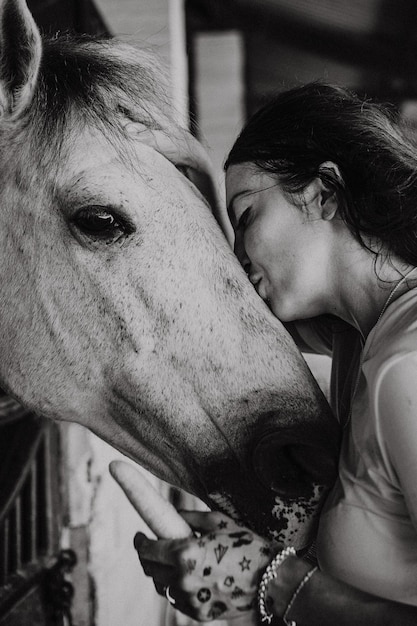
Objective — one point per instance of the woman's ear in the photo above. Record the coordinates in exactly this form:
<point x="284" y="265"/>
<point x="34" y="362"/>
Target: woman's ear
<point x="329" y="179"/>
<point x="320" y="196"/>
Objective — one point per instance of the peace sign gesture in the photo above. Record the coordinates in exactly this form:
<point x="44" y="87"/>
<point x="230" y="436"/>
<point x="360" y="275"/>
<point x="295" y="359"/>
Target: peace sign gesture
<point x="213" y="573"/>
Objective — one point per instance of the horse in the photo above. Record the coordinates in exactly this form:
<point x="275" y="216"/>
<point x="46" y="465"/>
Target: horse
<point x="123" y="306"/>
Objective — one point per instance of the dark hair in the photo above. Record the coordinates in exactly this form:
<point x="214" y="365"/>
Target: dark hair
<point x="302" y="128"/>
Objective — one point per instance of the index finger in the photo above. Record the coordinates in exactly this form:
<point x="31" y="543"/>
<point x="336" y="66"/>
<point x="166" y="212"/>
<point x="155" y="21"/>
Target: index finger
<point x="159" y="514"/>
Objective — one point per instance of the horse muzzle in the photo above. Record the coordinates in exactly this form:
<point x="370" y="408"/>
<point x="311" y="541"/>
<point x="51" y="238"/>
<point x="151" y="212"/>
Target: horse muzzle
<point x="278" y="487"/>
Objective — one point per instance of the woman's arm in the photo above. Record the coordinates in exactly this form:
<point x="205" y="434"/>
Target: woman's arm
<point x="217" y="573"/>
<point x="325" y="601"/>
<point x="396" y="413"/>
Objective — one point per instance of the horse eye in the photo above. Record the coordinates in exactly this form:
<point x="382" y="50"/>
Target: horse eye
<point x="100" y="223"/>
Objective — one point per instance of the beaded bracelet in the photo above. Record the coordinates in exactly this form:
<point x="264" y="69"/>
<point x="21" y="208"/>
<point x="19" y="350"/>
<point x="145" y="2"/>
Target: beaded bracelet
<point x="294" y="597"/>
<point x="269" y="574"/>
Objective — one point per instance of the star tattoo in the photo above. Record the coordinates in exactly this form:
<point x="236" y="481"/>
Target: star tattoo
<point x="244" y="563"/>
<point x="204" y="594"/>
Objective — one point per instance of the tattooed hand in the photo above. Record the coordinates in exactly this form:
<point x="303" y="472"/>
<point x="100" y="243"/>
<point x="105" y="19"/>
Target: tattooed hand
<point x="214" y="573"/>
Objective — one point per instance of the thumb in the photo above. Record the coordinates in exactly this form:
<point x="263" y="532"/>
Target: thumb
<point x="139" y="540"/>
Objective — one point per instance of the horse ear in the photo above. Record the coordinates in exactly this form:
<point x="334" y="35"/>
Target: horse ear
<point x="20" y="57"/>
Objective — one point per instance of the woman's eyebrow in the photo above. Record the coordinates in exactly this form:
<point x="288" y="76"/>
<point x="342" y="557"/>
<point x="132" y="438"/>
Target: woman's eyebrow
<point x="244" y="192"/>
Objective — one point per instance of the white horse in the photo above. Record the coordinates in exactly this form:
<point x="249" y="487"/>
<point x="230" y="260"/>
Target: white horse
<point x="123" y="307"/>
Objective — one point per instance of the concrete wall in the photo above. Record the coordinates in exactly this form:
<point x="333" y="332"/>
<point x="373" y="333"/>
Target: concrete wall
<point x="110" y="586"/>
<point x="155" y="24"/>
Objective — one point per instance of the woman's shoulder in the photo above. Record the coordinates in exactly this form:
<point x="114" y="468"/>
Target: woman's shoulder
<point x="395" y="335"/>
<point x="391" y="347"/>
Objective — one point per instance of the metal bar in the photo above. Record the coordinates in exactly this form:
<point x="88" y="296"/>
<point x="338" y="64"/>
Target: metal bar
<point x="48" y="504"/>
<point x="41" y="505"/>
<point x="17" y="533"/>
<point x="33" y="511"/>
<point x="4" y="540"/>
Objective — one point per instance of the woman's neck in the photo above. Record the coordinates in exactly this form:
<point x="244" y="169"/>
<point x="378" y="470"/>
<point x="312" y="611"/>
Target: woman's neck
<point x="366" y="285"/>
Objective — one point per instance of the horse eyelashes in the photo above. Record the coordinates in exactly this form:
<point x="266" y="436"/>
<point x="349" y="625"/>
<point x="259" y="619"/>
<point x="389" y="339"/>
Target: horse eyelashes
<point x="102" y="224"/>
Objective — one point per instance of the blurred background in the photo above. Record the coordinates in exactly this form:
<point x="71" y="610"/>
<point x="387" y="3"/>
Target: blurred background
<point x="66" y="530"/>
<point x="228" y="56"/>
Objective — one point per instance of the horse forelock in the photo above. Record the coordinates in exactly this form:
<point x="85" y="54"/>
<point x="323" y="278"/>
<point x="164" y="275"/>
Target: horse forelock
<point x="86" y="82"/>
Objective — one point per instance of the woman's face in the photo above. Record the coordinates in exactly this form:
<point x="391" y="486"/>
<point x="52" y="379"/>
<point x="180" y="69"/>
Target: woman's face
<point x="284" y="248"/>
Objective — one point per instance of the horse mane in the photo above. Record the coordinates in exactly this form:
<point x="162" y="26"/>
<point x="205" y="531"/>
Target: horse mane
<point x="92" y="81"/>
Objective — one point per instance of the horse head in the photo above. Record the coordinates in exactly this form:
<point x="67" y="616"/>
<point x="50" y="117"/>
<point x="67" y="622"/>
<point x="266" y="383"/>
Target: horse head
<point x="123" y="307"/>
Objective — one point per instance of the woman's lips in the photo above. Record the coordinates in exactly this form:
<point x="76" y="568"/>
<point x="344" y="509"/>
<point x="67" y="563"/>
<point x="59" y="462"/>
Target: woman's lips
<point x="254" y="279"/>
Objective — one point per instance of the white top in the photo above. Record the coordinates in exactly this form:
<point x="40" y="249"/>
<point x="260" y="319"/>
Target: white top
<point x="368" y="529"/>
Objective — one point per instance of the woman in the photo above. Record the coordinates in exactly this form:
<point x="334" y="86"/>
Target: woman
<point x="322" y="196"/>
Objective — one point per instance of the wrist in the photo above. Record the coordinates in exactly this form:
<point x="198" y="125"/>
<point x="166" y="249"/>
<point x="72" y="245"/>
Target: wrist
<point x="265" y="601"/>
<point x="303" y="582"/>
<point x="280" y="588"/>
<point x="283" y="587"/>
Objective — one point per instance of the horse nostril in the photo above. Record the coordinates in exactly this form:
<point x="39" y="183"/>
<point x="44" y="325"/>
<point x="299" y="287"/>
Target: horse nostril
<point x="290" y="469"/>
<point x="279" y="473"/>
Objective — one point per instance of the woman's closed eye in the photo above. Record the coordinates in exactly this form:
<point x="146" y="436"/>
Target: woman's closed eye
<point x="242" y="220"/>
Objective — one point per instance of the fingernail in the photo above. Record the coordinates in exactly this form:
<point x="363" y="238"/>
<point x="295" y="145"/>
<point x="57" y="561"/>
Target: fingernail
<point x="138" y="540"/>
